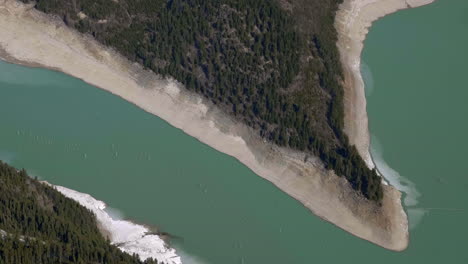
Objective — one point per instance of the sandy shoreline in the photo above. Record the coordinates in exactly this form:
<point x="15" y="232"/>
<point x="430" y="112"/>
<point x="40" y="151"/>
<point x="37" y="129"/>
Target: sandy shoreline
<point x="31" y="38"/>
<point x="353" y="21"/>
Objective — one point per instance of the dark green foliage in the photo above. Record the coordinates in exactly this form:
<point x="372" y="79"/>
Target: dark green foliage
<point x="43" y="226"/>
<point x="272" y="64"/>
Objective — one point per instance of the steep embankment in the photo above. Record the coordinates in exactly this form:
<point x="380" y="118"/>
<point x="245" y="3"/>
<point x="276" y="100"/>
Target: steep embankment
<point x="31" y="38"/>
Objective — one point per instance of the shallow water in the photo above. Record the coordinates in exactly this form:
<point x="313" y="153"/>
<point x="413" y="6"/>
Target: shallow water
<point x="72" y="134"/>
<point x="418" y="120"/>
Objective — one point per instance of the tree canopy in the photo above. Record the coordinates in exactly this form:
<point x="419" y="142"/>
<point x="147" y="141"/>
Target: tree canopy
<point x="272" y="64"/>
<point x="39" y="225"/>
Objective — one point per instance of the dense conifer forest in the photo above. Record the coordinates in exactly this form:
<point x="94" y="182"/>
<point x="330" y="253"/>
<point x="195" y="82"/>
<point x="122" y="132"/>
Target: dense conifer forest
<point x="273" y="64"/>
<point x="38" y="225"/>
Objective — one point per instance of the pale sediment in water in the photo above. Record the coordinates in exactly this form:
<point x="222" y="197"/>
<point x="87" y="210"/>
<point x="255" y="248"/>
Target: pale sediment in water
<point x="353" y="21"/>
<point x="127" y="236"/>
<point x="31" y="38"/>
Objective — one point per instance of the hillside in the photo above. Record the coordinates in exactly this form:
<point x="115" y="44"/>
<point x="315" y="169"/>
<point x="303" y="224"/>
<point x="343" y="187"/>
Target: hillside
<point x="40" y="225"/>
<point x="273" y="65"/>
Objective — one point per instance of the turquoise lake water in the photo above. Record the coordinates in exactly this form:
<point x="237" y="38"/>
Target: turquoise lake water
<point x="72" y="134"/>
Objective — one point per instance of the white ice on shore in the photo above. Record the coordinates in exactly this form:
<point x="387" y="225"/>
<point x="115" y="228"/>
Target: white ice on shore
<point x="403" y="184"/>
<point x="127" y="236"/>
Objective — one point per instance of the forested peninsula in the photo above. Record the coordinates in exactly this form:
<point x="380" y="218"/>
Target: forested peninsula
<point x="266" y="82"/>
<point x="273" y="65"/>
<point x="38" y="225"/>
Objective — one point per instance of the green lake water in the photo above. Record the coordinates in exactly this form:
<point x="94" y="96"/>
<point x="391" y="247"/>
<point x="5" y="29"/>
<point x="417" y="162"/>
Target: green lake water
<point x="72" y="134"/>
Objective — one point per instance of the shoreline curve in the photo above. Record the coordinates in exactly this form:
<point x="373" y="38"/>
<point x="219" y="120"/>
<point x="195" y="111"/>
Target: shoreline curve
<point x="31" y="38"/>
<point x="353" y="21"/>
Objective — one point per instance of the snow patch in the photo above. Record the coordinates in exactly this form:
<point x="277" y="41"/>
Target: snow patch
<point x="127" y="236"/>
